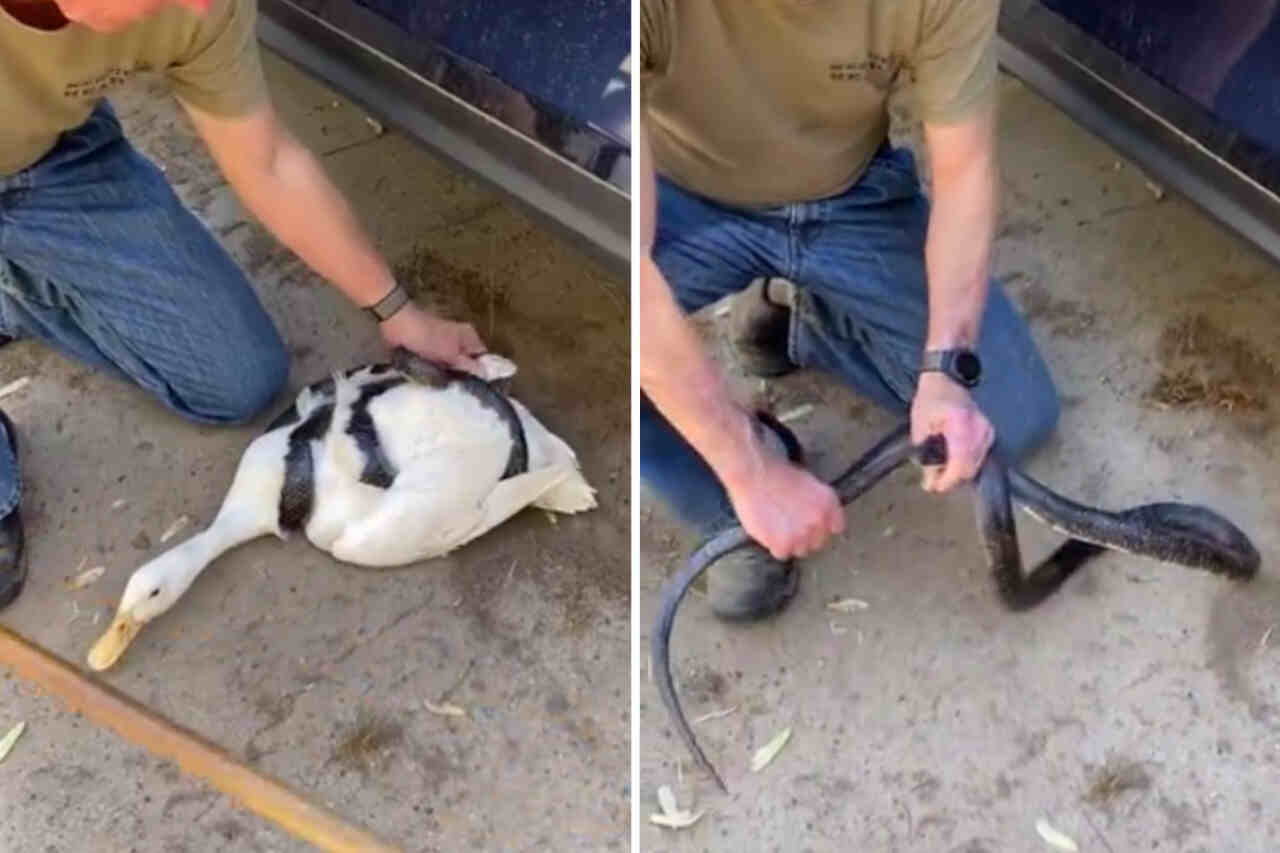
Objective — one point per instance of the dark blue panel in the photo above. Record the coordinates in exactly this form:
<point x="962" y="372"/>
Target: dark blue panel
<point x="563" y="53"/>
<point x="1222" y="54"/>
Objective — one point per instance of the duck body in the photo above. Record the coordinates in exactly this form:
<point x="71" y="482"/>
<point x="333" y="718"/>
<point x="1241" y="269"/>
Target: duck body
<point x="380" y="466"/>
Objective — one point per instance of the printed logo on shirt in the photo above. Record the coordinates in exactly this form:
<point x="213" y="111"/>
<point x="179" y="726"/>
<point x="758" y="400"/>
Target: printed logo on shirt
<point x="879" y="71"/>
<point x="98" y="85"/>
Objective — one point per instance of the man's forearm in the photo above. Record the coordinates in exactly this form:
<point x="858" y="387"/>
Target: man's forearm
<point x="958" y="245"/>
<point x="676" y="373"/>
<point x="296" y="201"/>
<point x="680" y="378"/>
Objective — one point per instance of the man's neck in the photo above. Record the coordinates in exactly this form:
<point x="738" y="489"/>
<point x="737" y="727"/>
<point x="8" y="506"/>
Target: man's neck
<point x="41" y="14"/>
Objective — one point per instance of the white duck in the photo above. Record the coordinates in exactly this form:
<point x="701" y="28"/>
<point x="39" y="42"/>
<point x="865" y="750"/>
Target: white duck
<point x="381" y="466"/>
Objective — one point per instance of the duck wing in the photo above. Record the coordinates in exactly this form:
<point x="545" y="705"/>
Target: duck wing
<point x="444" y="502"/>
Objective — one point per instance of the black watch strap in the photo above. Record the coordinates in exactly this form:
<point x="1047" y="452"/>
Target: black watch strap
<point x="388" y="305"/>
<point x="962" y="365"/>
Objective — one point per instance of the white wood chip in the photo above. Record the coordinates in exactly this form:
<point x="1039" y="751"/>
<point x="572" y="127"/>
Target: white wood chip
<point x="848" y="605"/>
<point x="672" y="815"/>
<point x="15" y="386"/>
<point x="175" y="528"/>
<point x="86" y="577"/>
<point x="769" y="751"/>
<point x="714" y="715"/>
<point x="119" y="503"/>
<point x="680" y="820"/>
<point x="10" y="739"/>
<point x="667" y="800"/>
<point x="838" y="629"/>
<point x="1054" y="838"/>
<point x="445" y="709"/>
<point x="797" y="413"/>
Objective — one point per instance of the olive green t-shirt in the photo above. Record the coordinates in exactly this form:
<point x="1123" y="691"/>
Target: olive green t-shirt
<point x="765" y="102"/>
<point x="51" y="80"/>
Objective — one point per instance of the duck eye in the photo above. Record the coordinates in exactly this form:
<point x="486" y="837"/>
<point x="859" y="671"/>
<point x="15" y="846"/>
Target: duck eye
<point x="154" y="592"/>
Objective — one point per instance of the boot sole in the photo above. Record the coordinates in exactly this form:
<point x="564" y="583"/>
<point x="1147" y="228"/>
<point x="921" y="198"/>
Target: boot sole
<point x="767" y="603"/>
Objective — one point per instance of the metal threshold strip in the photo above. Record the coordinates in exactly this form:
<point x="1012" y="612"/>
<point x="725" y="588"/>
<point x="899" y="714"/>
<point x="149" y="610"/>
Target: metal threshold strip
<point x="592" y="213"/>
<point x="110" y="709"/>
<point x="1166" y="134"/>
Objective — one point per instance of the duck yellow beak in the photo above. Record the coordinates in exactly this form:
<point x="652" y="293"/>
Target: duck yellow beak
<point x="114" y="641"/>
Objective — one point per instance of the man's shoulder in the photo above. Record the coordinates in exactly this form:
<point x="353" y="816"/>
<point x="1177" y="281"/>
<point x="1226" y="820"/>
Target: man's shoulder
<point x="940" y="13"/>
<point x="181" y="23"/>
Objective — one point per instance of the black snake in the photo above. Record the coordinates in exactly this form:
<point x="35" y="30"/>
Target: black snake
<point x="1178" y="533"/>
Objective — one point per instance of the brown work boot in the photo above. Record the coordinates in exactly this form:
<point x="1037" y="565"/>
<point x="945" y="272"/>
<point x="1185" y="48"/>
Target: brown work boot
<point x="760" y="325"/>
<point x="749" y="584"/>
<point x="13" y="568"/>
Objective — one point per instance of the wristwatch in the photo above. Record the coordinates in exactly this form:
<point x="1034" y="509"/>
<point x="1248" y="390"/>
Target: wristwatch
<point x="960" y="364"/>
<point x="388" y="305"/>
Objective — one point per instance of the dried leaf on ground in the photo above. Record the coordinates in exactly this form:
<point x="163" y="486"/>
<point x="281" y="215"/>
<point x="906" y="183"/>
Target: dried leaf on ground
<point x="714" y="715"/>
<point x="15" y="386"/>
<point x="83" y="579"/>
<point x="11" y="738"/>
<point x="175" y="528"/>
<point x="444" y="709"/>
<point x="672" y="816"/>
<point x="1054" y="838"/>
<point x="680" y="820"/>
<point x="848" y="605"/>
<point x="770" y="750"/>
<point x="797" y="413"/>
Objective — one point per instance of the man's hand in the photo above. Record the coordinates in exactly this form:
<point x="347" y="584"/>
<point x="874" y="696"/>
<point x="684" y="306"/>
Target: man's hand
<point x="943" y="407"/>
<point x="790" y="512"/>
<point x="433" y="337"/>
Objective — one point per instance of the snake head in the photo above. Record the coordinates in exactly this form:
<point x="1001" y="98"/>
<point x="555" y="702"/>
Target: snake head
<point x="1196" y="536"/>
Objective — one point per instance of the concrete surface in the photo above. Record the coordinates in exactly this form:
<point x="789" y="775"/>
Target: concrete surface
<point x="280" y="654"/>
<point x="1137" y="710"/>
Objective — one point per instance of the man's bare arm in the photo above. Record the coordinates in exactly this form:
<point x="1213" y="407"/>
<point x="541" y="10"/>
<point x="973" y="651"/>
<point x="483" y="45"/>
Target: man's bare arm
<point x="957" y="262"/>
<point x="285" y="187"/>
<point x="784" y="508"/>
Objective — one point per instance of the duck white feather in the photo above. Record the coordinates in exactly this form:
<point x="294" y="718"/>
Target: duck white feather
<point x="447" y="445"/>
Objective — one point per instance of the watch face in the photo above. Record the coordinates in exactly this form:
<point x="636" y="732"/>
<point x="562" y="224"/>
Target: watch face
<point x="968" y="367"/>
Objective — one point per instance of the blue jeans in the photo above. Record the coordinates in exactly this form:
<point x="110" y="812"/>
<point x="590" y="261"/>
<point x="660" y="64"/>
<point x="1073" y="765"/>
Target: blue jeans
<point x="99" y="258"/>
<point x="861" y="308"/>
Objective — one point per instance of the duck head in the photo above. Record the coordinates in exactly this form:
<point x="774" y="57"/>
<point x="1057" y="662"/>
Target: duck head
<point x="151" y="590"/>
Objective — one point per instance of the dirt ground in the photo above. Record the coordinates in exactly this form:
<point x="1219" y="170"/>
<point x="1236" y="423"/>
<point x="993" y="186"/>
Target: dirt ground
<point x="1137" y="710"/>
<point x="313" y="671"/>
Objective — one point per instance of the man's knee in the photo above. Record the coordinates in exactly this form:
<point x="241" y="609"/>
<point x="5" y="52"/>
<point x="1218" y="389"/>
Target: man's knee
<point x="244" y="388"/>
<point x="1033" y="422"/>
<point x="677" y="475"/>
<point x="264" y="386"/>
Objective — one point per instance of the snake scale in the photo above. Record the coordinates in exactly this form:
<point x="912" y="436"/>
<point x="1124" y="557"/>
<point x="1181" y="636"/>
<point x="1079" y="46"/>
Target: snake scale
<point x="1178" y="533"/>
